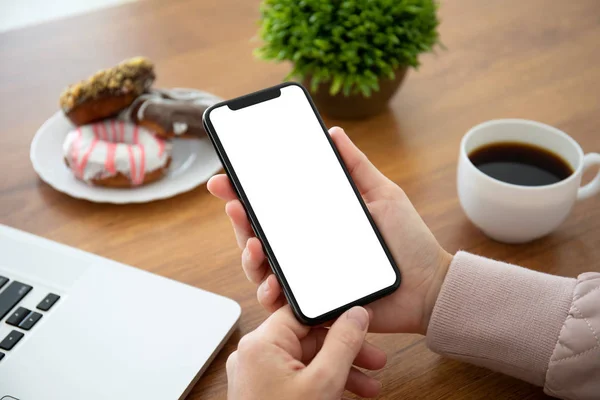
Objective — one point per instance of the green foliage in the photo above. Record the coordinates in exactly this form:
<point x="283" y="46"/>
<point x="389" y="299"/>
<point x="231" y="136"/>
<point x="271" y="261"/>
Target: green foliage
<point x="350" y="43"/>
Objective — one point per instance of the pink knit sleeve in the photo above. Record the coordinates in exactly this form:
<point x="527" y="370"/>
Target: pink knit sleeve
<point x="500" y="316"/>
<point x="574" y="370"/>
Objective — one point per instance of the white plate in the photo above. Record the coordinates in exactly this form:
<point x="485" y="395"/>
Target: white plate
<point x="193" y="162"/>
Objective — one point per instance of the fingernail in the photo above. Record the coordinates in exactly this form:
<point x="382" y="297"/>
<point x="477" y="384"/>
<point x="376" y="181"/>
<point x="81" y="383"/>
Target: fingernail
<point x="265" y="287"/>
<point x="359" y="315"/>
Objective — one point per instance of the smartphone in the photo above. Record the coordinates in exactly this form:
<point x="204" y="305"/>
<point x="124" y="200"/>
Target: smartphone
<point x="316" y="231"/>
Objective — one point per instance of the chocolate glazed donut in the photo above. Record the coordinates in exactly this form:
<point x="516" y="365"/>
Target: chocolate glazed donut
<point x="171" y="112"/>
<point x="107" y="92"/>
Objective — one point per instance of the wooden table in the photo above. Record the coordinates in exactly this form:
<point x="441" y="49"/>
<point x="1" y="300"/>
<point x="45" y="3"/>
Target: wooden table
<point x="535" y="59"/>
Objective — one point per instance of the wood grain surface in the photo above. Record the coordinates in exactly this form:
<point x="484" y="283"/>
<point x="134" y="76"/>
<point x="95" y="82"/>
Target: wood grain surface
<point x="535" y="59"/>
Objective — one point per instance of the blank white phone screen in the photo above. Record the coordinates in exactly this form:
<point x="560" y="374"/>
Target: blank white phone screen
<point x="303" y="201"/>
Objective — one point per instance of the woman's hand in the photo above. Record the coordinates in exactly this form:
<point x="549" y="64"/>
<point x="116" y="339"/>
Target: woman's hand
<point x="422" y="261"/>
<point x="283" y="359"/>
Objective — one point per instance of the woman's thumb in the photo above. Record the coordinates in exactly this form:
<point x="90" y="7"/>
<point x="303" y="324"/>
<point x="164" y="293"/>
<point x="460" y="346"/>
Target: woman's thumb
<point x="342" y="344"/>
<point x="363" y="172"/>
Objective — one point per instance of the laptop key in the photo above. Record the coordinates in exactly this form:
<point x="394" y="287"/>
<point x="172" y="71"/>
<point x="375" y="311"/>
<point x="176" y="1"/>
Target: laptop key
<point x="1" y="355"/>
<point x="30" y="321"/>
<point x="48" y="302"/>
<point x="10" y="340"/>
<point x="18" y="316"/>
<point x="10" y="296"/>
<point x="3" y="281"/>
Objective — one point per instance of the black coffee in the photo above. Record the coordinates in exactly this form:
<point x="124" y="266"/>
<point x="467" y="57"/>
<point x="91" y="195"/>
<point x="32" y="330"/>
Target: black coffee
<point x="520" y="164"/>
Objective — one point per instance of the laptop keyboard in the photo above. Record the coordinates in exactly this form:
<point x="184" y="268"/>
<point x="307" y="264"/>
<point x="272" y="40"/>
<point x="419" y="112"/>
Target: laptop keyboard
<point x="21" y="317"/>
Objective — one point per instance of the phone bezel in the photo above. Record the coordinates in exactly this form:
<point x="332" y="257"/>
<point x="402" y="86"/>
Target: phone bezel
<point x="266" y="95"/>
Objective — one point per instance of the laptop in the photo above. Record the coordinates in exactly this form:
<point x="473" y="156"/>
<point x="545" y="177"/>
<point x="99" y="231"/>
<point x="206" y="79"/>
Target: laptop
<point x="74" y="325"/>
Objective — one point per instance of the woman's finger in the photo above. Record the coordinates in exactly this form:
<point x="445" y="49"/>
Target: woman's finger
<point x="220" y="186"/>
<point x="254" y="263"/>
<point x="369" y="357"/>
<point x="362" y="385"/>
<point x="270" y="295"/>
<point x="366" y="176"/>
<point x="239" y="220"/>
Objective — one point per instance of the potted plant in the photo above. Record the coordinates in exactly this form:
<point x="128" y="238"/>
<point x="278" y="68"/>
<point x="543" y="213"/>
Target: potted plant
<point x="351" y="54"/>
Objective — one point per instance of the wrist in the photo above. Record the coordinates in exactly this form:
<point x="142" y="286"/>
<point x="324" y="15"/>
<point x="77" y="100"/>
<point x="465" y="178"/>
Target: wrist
<point x="435" y="285"/>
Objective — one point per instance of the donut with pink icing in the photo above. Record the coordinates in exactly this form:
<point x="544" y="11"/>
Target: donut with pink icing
<point x="116" y="154"/>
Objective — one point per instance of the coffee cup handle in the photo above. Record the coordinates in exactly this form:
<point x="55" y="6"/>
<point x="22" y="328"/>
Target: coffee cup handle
<point x="593" y="187"/>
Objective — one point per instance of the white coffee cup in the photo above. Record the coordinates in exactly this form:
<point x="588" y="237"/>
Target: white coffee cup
<point x="513" y="213"/>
